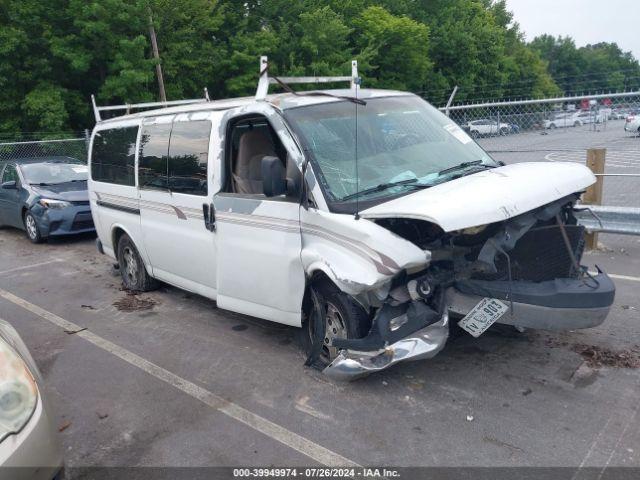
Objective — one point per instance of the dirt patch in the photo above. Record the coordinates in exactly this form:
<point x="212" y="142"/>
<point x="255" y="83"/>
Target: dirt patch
<point x="134" y="302"/>
<point x="603" y="357"/>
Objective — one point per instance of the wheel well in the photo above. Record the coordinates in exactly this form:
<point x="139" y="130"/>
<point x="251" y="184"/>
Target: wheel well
<point x="24" y="211"/>
<point x="316" y="278"/>
<point x="117" y="233"/>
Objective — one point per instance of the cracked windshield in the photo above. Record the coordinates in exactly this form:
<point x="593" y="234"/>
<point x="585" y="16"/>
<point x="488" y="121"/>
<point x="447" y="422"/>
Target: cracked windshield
<point x="403" y="144"/>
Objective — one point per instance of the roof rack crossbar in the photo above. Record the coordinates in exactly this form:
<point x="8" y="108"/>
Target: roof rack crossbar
<point x="128" y="107"/>
<point x="264" y="80"/>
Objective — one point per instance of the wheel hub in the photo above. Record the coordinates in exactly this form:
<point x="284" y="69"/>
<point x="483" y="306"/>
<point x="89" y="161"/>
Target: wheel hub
<point x="131" y="265"/>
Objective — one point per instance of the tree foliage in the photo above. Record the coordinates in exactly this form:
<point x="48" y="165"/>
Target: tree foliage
<point x="599" y="67"/>
<point x="55" y="54"/>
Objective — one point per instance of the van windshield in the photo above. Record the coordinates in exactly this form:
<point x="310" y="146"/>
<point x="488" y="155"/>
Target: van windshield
<point x="51" y="173"/>
<point x="403" y="143"/>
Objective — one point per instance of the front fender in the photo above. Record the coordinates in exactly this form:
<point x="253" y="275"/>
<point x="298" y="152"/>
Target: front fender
<point x="357" y="255"/>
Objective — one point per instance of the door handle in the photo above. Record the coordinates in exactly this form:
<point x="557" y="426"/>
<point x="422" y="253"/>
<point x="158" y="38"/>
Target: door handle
<point x="209" y="213"/>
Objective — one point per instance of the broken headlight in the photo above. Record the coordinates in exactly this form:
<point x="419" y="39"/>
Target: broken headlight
<point x="473" y="230"/>
<point x="18" y="392"/>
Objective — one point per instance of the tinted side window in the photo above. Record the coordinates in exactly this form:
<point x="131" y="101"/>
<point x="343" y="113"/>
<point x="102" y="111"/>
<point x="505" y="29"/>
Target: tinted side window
<point x="188" y="152"/>
<point x="10" y="174"/>
<point x="113" y="156"/>
<point x="154" y="150"/>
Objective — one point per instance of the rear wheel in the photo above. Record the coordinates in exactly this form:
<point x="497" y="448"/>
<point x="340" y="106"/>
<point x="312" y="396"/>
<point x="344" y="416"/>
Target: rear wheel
<point x="31" y="227"/>
<point x="343" y="318"/>
<point x="132" y="270"/>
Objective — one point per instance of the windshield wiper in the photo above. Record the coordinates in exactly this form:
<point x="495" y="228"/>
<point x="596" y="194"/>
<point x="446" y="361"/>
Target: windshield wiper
<point x="462" y="166"/>
<point x="410" y="182"/>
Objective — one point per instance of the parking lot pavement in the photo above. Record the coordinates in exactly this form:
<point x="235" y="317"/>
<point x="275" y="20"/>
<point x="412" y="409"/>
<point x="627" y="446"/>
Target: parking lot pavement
<point x="166" y="379"/>
<point x="571" y="145"/>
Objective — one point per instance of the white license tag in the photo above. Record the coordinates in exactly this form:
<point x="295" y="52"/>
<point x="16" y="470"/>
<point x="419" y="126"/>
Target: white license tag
<point x="482" y="316"/>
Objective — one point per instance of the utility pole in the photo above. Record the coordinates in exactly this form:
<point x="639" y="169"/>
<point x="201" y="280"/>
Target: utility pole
<point x="156" y="55"/>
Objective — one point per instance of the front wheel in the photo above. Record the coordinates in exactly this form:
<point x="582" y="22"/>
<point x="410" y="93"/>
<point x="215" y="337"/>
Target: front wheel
<point x="31" y="227"/>
<point x="134" y="273"/>
<point x="343" y="317"/>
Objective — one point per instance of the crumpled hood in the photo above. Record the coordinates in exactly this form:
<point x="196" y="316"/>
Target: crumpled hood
<point x="69" y="191"/>
<point x="489" y="196"/>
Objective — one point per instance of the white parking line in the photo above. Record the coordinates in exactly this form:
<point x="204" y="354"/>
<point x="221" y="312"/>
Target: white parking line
<point x="624" y="277"/>
<point x="34" y="265"/>
<point x="272" y="430"/>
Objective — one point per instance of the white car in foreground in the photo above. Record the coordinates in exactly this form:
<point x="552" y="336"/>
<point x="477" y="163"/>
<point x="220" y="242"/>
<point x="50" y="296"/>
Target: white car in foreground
<point x="29" y="444"/>
<point x="632" y="124"/>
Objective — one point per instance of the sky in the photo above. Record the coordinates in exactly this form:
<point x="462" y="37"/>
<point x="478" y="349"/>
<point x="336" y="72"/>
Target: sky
<point x="587" y="21"/>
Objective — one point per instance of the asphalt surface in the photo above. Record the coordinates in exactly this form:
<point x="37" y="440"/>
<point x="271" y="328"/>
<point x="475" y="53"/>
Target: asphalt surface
<point x="571" y="145"/>
<point x="177" y="382"/>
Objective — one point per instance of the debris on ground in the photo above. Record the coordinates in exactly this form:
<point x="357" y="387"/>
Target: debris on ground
<point x="469" y="418"/>
<point x="102" y="415"/>
<point x="72" y="332"/>
<point x="596" y="356"/>
<point x="133" y="302"/>
<point x="88" y="307"/>
<point x="64" y="426"/>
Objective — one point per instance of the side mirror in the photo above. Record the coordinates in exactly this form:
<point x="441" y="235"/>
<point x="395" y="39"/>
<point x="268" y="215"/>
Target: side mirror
<point x="274" y="182"/>
<point x="10" y="185"/>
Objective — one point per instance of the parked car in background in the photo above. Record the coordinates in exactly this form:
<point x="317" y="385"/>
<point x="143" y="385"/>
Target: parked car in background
<point x="632" y="124"/>
<point x="29" y="444"/>
<point x="588" y="117"/>
<point x="562" y="120"/>
<point x="485" y="127"/>
<point x="618" y="114"/>
<point x="46" y="197"/>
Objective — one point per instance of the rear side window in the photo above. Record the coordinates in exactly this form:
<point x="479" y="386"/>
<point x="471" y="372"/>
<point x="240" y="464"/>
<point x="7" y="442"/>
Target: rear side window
<point x="113" y="156"/>
<point x="188" y="152"/>
<point x="153" y="167"/>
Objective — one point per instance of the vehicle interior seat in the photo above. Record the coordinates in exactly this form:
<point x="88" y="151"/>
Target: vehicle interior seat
<point x="247" y="173"/>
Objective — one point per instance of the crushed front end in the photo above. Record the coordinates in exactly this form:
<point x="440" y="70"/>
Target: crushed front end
<point x="529" y="262"/>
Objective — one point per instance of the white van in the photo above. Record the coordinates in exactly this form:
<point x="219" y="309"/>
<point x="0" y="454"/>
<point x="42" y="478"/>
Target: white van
<point x="366" y="217"/>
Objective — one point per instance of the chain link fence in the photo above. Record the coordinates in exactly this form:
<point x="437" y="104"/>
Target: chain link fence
<point x="563" y="130"/>
<point x="68" y="147"/>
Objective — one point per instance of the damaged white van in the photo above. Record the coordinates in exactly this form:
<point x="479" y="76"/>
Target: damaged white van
<point x="365" y="217"/>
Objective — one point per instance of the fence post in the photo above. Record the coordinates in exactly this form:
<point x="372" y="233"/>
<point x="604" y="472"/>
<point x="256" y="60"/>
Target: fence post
<point x="593" y="195"/>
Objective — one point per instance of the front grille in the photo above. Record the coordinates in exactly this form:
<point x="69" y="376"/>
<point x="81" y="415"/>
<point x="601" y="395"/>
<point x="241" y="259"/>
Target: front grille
<point x="80" y="203"/>
<point x="541" y="254"/>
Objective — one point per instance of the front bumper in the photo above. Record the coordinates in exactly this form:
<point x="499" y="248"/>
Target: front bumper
<point x="65" y="221"/>
<point x="561" y="304"/>
<point x="420" y="345"/>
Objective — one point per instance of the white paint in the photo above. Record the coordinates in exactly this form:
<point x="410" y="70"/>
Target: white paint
<point x="34" y="265"/>
<point x="484" y="197"/>
<point x="272" y="430"/>
<point x="624" y="277"/>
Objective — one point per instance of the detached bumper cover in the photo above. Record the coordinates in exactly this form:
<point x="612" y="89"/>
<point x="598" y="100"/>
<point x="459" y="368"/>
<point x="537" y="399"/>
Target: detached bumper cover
<point x="561" y="304"/>
<point x="425" y="343"/>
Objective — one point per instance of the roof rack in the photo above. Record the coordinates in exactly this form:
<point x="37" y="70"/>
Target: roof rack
<point x="264" y="80"/>
<point x="135" y="106"/>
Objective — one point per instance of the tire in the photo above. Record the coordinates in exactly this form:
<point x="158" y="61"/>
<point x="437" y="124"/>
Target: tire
<point x="345" y="318"/>
<point x="31" y="228"/>
<point x="577" y="123"/>
<point x="132" y="270"/>
<point x="504" y="131"/>
<point x="553" y="126"/>
<point x="475" y="134"/>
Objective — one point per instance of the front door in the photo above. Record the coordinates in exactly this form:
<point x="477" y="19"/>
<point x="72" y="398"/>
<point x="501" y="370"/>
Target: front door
<point x="173" y="173"/>
<point x="10" y="199"/>
<point x="258" y="238"/>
